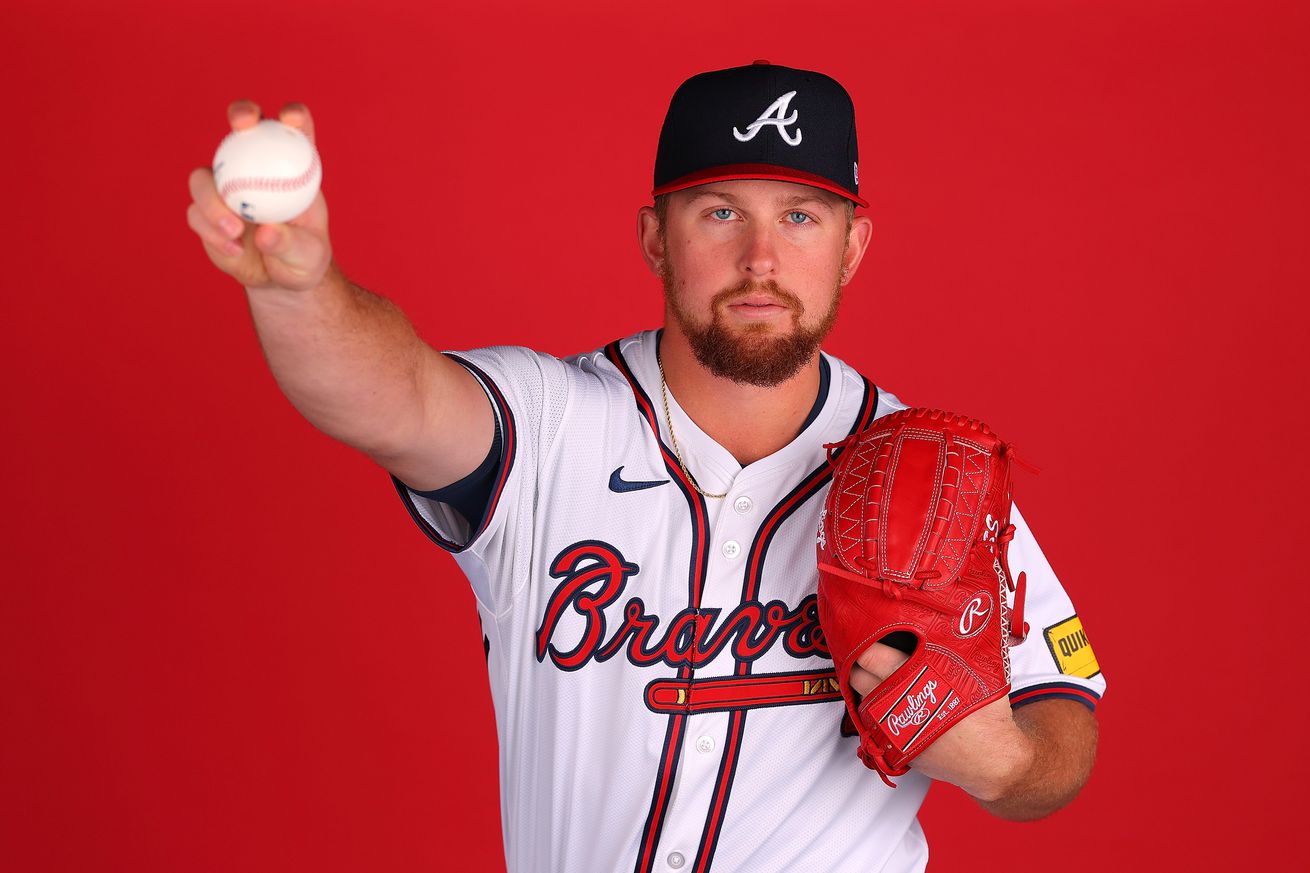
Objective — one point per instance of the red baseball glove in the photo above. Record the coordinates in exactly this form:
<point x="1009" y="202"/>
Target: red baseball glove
<point x="912" y="542"/>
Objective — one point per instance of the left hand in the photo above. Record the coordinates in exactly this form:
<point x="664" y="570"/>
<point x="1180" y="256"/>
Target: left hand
<point x="985" y="753"/>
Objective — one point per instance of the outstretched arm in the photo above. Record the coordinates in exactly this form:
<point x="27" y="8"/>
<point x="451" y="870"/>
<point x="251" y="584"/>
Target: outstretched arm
<point x="346" y="358"/>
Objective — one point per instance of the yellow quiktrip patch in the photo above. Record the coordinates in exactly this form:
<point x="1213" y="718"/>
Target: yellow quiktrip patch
<point x="1069" y="646"/>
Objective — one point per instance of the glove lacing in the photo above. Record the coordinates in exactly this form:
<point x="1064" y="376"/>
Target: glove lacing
<point x="1018" y="627"/>
<point x="893" y="587"/>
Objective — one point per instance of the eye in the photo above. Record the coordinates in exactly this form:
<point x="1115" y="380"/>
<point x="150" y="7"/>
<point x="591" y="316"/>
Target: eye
<point x="723" y="213"/>
<point x="796" y="217"/>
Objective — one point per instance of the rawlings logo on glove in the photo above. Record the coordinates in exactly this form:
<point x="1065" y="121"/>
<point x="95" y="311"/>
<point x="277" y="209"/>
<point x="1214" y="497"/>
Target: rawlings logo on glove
<point x="913" y="539"/>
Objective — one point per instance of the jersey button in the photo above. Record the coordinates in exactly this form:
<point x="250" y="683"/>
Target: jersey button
<point x="676" y="860"/>
<point x="731" y="549"/>
<point x="705" y="744"/>
<point x="743" y="505"/>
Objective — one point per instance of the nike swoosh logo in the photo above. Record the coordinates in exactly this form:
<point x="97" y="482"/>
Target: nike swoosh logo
<point x="620" y="485"/>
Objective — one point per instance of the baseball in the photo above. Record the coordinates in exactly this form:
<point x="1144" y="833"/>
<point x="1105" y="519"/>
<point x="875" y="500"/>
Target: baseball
<point x="268" y="173"/>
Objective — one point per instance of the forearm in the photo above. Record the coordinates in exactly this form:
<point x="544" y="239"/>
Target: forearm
<point x="346" y="358"/>
<point x="1060" y="738"/>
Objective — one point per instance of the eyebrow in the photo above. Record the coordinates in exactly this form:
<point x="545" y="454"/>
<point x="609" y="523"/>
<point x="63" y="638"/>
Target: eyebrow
<point x="792" y="201"/>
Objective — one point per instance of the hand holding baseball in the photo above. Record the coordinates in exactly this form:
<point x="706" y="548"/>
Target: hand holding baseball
<point x="294" y="255"/>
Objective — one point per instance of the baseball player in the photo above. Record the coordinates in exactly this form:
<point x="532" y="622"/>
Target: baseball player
<point x="638" y="523"/>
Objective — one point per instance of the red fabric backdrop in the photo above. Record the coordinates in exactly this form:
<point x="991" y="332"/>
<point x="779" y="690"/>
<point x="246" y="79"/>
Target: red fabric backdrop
<point x="225" y="647"/>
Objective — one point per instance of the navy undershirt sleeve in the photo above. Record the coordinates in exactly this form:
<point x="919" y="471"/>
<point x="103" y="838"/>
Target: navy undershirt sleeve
<point x="470" y="495"/>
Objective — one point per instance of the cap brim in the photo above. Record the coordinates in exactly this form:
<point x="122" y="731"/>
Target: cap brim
<point x="756" y="171"/>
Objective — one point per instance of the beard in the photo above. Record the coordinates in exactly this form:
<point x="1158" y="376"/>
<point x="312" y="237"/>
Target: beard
<point x="752" y="355"/>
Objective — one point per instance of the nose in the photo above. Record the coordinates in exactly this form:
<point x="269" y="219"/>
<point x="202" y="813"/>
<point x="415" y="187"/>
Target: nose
<point x="759" y="255"/>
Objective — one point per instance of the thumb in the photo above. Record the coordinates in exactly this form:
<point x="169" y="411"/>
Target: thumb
<point x="296" y="257"/>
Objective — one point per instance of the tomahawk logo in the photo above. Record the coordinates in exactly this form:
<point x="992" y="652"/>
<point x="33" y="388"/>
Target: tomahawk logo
<point x="776" y="115"/>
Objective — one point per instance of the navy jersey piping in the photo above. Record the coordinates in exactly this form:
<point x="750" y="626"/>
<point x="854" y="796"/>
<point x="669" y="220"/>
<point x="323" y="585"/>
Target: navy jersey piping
<point x="698" y="567"/>
<point x="508" y="453"/>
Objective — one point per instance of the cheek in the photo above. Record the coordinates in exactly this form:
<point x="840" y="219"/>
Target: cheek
<point x="699" y="251"/>
<point x="696" y="265"/>
<point x="827" y="259"/>
<point x="825" y="271"/>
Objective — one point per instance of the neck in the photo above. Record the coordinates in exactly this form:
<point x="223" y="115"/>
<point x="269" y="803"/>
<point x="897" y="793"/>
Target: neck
<point x="749" y="421"/>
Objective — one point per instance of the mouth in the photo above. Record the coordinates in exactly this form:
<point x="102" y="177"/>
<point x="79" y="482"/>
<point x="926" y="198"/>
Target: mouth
<point x="758" y="299"/>
<point x="758" y="306"/>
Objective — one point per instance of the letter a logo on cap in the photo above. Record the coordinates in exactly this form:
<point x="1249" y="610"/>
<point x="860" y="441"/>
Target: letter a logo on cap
<point x="777" y="116"/>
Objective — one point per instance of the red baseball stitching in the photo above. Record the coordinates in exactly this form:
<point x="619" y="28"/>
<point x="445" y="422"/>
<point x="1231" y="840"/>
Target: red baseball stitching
<point x="256" y="183"/>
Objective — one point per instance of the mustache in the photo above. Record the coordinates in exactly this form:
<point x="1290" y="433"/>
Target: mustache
<point x="746" y="288"/>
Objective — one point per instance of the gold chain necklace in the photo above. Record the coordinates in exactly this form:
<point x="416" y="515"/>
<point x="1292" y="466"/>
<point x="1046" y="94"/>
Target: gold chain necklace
<point x="668" y="419"/>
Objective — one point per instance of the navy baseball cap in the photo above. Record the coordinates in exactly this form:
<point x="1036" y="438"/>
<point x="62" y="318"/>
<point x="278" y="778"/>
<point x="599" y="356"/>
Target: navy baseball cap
<point x="760" y="121"/>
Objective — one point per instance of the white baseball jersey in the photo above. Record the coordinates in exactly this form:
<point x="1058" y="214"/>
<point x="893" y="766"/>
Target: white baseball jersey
<point x="662" y="703"/>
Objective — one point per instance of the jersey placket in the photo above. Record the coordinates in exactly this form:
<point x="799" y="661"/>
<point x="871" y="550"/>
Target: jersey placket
<point x="686" y="818"/>
<point x="747" y="542"/>
<point x="705" y="739"/>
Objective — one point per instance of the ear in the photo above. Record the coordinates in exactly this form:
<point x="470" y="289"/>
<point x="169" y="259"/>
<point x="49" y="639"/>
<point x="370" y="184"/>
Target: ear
<point x="648" y="238"/>
<point x="856" y="243"/>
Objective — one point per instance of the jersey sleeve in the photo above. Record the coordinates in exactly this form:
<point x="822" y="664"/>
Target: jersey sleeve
<point x="1056" y="660"/>
<point x="528" y="392"/>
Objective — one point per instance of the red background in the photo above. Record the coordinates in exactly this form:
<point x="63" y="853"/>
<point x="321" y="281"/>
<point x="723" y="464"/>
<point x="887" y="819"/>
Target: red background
<point x="225" y="647"/>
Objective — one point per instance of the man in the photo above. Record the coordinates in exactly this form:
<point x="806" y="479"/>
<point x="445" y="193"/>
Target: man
<point x="638" y="523"/>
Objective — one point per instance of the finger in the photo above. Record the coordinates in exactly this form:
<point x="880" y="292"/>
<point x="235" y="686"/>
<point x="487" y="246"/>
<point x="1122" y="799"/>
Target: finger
<point x="242" y="114"/>
<point x="297" y="115"/>
<point x="862" y="681"/>
<point x="881" y="661"/>
<point x="212" y="208"/>
<point x="213" y="238"/>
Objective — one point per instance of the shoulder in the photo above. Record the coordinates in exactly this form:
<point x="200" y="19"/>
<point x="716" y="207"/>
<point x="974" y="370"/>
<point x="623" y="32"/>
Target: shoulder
<point x="616" y="358"/>
<point x="518" y="364"/>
